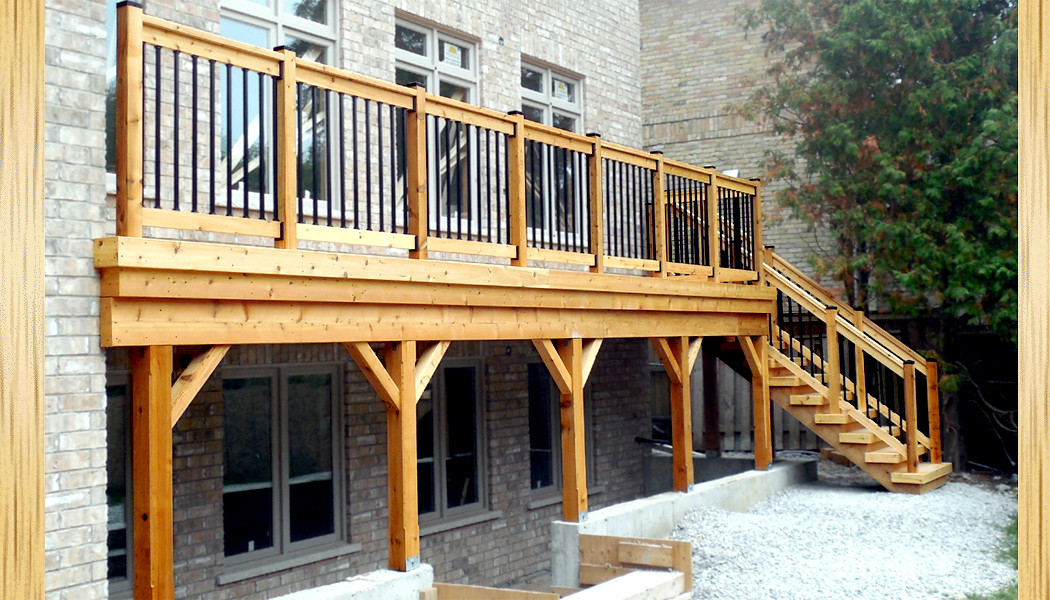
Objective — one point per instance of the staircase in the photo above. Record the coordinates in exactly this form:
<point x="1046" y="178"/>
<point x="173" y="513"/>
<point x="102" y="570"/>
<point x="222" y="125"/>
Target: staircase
<point x="860" y="389"/>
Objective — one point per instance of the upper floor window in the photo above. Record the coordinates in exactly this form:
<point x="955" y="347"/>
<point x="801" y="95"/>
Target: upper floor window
<point x="282" y="483"/>
<point x="449" y="442"/>
<point x="446" y="65"/>
<point x="550" y="98"/>
<point x="305" y="26"/>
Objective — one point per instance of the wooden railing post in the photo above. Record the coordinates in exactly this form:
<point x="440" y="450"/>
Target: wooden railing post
<point x="934" y="402"/>
<point x="832" y="368"/>
<point x="910" y="415"/>
<point x="756" y="226"/>
<point x="713" y="240"/>
<point x="129" y="119"/>
<point x="861" y="383"/>
<point x="416" y="152"/>
<point x="594" y="165"/>
<point x="516" y="190"/>
<point x="659" y="216"/>
<point x="287" y="165"/>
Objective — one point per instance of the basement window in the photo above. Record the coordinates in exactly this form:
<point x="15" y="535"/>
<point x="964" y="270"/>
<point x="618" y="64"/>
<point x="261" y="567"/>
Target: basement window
<point x="118" y="484"/>
<point x="449" y="438"/>
<point x="545" y="433"/>
<point x="281" y="478"/>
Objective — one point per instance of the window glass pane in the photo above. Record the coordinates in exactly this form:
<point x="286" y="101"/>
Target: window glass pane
<point x="410" y="40"/>
<point x="454" y="55"/>
<point x="247" y="483"/>
<point x="541" y="438"/>
<point x="111" y="86"/>
<point x="456" y="92"/>
<point x="533" y="113"/>
<point x="313" y="10"/>
<point x="532" y="79"/>
<point x="116" y="471"/>
<point x="310" y="483"/>
<point x="307" y="50"/>
<point x="563" y="90"/>
<point x="461" y="463"/>
<point x="425" y="451"/>
<point x="243" y="32"/>
<point x="564" y="122"/>
<point x="405" y="77"/>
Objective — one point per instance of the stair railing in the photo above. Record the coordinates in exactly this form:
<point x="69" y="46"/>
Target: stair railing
<point x="842" y="353"/>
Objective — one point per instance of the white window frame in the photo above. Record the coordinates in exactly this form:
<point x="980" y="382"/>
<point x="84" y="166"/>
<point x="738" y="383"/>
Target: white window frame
<point x="440" y="433"/>
<point x="280" y="25"/>
<point x="283" y="547"/>
<point x="550" y="105"/>
<point x="434" y="72"/>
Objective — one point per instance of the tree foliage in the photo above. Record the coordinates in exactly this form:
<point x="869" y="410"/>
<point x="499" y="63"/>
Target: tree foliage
<point x="904" y="118"/>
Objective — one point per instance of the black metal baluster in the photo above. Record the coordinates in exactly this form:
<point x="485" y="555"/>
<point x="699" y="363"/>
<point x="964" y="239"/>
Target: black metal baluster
<point x="393" y="169"/>
<point x="193" y="128"/>
<point x="229" y="140"/>
<point x="315" y="159"/>
<point x="328" y="154"/>
<point x="368" y="164"/>
<point x="356" y="164"/>
<point x="342" y="160"/>
<point x="175" y="123"/>
<point x="488" y="181"/>
<point x="468" y="188"/>
<point x="379" y="136"/>
<point x="262" y="147"/>
<point x="448" y="177"/>
<point x="459" y="185"/>
<point x="299" y="159"/>
<point x="244" y="133"/>
<point x="211" y="137"/>
<point x="156" y="130"/>
<point x="276" y="147"/>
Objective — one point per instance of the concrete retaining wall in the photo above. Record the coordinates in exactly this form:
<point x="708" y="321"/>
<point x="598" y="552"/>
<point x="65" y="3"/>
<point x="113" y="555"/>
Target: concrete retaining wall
<point x="656" y="517"/>
<point x="377" y="585"/>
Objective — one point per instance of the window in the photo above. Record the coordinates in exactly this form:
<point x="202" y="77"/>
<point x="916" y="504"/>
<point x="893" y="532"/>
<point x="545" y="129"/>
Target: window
<point x="118" y="484"/>
<point x="305" y="26"/>
<point x="545" y="431"/>
<point x="446" y="66"/>
<point x="550" y="98"/>
<point x="553" y="99"/>
<point x="449" y="441"/>
<point x="281" y="478"/>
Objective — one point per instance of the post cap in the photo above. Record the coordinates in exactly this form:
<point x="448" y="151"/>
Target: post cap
<point x="515" y="112"/>
<point x="129" y="3"/>
<point x="594" y="134"/>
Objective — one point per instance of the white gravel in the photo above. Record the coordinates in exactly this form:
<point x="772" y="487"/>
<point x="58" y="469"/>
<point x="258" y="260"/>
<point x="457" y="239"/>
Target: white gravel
<point x="819" y="541"/>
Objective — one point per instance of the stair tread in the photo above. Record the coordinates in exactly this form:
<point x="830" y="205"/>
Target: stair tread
<point x="926" y="472"/>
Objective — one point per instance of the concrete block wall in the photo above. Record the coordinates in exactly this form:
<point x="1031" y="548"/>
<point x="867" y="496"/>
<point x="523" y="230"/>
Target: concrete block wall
<point x="696" y="61"/>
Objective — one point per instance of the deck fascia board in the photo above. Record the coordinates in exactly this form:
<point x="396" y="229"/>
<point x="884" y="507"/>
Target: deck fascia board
<point x="177" y="292"/>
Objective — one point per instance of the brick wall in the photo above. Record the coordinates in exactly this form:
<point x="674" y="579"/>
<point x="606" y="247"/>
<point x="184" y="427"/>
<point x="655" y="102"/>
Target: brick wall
<point x="696" y="61"/>
<point x="74" y="384"/>
<point x="493" y="552"/>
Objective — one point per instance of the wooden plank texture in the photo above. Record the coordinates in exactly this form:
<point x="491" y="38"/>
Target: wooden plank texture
<point x="193" y="378"/>
<point x="401" y="456"/>
<point x="472" y="592"/>
<point x="22" y="300"/>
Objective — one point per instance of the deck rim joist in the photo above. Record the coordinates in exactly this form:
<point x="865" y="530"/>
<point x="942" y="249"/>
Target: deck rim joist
<point x="179" y="292"/>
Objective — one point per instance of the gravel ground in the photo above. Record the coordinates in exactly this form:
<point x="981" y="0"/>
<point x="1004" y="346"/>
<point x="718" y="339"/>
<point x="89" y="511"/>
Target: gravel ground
<point x="842" y="538"/>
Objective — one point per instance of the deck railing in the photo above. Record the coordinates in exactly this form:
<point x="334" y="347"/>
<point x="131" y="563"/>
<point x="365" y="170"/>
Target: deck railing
<point x="856" y="361"/>
<point x="222" y="137"/>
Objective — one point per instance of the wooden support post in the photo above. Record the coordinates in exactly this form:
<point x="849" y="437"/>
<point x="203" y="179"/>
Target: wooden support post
<point x="756" y="226"/>
<point x="151" y="471"/>
<point x="287" y="166"/>
<point x="129" y="120"/>
<point x="193" y="378"/>
<point x="712" y="407"/>
<point x="757" y="355"/>
<point x="416" y="152"/>
<point x="861" y="383"/>
<point x="832" y="366"/>
<point x="594" y="166"/>
<point x="516" y="191"/>
<point x="570" y="362"/>
<point x="713" y="229"/>
<point x="675" y="356"/>
<point x="659" y="216"/>
<point x="910" y="416"/>
<point x="401" y="456"/>
<point x="933" y="400"/>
